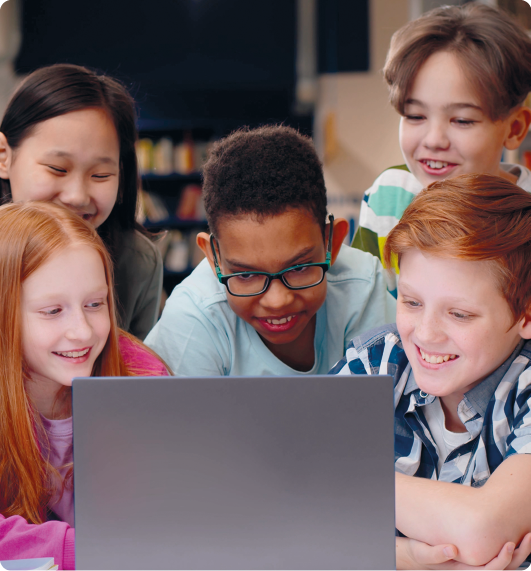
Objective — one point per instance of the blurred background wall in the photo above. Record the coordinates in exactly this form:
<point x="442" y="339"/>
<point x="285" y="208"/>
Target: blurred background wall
<point x="200" y="68"/>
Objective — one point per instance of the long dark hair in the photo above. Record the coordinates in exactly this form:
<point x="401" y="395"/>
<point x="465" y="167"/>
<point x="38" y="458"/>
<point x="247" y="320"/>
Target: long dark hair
<point x="58" y="89"/>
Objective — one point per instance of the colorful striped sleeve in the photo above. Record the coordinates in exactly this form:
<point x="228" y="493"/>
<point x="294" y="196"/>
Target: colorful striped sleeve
<point x="381" y="209"/>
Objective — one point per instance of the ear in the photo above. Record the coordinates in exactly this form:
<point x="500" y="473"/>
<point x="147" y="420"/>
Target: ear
<point x="203" y="241"/>
<point x="341" y="228"/>
<point x="519" y="122"/>
<point x="525" y="324"/>
<point x="6" y="157"/>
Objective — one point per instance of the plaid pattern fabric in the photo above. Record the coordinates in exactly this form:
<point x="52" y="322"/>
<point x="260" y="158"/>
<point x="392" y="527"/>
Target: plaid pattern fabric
<point x="496" y="412"/>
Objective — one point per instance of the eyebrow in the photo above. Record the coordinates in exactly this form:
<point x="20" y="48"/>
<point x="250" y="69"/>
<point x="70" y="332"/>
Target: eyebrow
<point x="449" y="107"/>
<point x="51" y="297"/>
<point x="406" y="290"/>
<point x="288" y="263"/>
<point x="67" y="155"/>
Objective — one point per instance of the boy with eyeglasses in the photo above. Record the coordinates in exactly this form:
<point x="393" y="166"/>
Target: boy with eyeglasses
<point x="278" y="293"/>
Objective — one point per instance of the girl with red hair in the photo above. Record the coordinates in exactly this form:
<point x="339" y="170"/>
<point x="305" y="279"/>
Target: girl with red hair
<point x="57" y="322"/>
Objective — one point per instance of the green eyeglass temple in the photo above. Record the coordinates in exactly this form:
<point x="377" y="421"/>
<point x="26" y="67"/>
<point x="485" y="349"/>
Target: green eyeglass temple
<point x="223" y="279"/>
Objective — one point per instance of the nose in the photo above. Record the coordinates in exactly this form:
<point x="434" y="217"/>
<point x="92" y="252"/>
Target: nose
<point x="277" y="296"/>
<point x="74" y="193"/>
<point x="436" y="136"/>
<point x="429" y="330"/>
<point x="78" y="327"/>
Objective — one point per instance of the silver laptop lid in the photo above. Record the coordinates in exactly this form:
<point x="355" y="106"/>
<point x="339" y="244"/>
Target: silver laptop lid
<point x="234" y="473"/>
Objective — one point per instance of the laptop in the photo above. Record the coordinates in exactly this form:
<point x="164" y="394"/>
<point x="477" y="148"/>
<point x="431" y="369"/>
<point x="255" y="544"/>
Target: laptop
<point x="234" y="472"/>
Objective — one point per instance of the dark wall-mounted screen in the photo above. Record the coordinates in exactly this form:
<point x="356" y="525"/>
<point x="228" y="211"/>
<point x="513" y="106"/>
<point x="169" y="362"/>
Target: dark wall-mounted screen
<point x="190" y="57"/>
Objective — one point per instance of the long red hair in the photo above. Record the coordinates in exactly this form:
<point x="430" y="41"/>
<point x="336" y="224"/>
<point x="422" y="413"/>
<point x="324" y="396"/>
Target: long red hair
<point x="30" y="234"/>
<point x="473" y="217"/>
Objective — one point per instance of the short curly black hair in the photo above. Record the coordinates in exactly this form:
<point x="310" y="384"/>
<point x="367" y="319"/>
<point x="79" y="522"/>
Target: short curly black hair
<point x="263" y="172"/>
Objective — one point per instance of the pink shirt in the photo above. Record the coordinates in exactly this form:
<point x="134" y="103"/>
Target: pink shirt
<point x="21" y="540"/>
<point x="59" y="434"/>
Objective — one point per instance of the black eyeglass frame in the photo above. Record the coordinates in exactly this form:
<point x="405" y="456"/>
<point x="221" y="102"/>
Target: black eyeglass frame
<point x="224" y="279"/>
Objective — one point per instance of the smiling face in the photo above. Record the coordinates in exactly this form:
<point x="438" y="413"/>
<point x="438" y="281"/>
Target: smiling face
<point x="455" y="325"/>
<point x="444" y="131"/>
<point x="284" y="318"/>
<point x="72" y="159"/>
<point x="65" y="319"/>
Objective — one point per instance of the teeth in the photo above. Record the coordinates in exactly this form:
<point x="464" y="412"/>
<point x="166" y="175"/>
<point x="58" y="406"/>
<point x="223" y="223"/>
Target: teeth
<point x="436" y="164"/>
<point x="280" y="321"/>
<point x="73" y="354"/>
<point x="436" y="359"/>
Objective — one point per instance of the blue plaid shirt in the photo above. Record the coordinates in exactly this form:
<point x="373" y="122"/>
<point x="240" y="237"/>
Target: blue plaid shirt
<point x="496" y="412"/>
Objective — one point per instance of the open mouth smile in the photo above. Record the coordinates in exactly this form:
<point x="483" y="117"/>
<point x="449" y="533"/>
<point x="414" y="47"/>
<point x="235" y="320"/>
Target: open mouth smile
<point x="78" y="356"/>
<point x="436" y="359"/>
<point x="73" y="353"/>
<point x="437" y="167"/>
<point x="279" y="324"/>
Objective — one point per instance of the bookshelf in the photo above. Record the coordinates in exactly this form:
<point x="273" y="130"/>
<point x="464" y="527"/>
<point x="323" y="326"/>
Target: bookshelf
<point x="170" y="157"/>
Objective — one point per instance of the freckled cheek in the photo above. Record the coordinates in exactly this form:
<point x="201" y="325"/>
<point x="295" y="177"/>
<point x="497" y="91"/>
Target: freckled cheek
<point x="37" y="345"/>
<point x="404" y="323"/>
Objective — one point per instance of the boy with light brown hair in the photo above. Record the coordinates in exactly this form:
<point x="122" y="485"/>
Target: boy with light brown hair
<point x="458" y="76"/>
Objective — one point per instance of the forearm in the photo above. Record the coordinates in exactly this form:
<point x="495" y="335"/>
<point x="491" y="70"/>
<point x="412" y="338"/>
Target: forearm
<point x="478" y="521"/>
<point x="432" y="511"/>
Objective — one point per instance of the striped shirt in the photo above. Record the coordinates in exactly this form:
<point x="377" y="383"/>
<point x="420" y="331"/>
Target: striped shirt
<point x="384" y="203"/>
<point x="495" y="413"/>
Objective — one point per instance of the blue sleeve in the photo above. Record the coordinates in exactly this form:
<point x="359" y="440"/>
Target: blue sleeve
<point x="379" y="306"/>
<point x="357" y="299"/>
<point x="188" y="340"/>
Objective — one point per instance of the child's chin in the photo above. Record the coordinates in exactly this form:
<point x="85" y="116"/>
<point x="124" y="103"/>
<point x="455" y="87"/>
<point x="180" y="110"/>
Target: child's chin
<point x="427" y="384"/>
<point x="433" y="389"/>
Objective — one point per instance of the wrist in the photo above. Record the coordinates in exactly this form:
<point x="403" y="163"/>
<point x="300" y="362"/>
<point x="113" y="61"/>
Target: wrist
<point x="403" y="556"/>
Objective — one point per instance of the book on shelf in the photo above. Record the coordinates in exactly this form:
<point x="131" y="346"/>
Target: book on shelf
<point x="164" y="157"/>
<point x="29" y="564"/>
<point x="153" y="207"/>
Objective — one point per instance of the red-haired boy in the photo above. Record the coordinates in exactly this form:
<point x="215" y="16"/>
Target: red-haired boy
<point x="460" y="354"/>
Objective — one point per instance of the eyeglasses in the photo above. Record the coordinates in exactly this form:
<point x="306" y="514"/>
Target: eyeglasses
<point x="302" y="276"/>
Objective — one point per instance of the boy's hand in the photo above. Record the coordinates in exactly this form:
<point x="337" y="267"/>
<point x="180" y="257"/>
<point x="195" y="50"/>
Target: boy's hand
<point x="412" y="554"/>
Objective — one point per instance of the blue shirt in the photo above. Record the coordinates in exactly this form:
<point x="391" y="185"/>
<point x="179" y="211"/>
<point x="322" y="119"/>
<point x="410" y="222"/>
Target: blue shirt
<point x="495" y="412"/>
<point x="198" y="334"/>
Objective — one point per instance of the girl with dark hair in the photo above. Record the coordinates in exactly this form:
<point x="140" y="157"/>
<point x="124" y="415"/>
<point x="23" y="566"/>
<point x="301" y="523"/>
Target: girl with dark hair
<point x="68" y="136"/>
